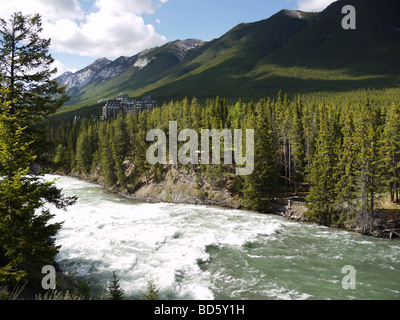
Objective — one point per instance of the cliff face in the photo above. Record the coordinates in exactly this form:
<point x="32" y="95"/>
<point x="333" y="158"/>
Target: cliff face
<point x="178" y="185"/>
<point x="184" y="186"/>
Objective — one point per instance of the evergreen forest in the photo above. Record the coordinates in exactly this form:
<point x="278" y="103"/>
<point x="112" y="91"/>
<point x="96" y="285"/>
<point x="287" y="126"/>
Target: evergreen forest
<point x="343" y="156"/>
<point x="338" y="150"/>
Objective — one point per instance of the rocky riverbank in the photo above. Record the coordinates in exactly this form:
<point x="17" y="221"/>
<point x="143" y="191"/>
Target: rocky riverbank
<point x="179" y="185"/>
<point x="383" y="224"/>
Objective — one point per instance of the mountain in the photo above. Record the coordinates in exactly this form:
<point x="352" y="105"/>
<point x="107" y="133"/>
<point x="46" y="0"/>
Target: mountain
<point x="364" y="51"/>
<point x="292" y="51"/>
<point x="91" y="80"/>
<point x="85" y="76"/>
<point x="221" y="66"/>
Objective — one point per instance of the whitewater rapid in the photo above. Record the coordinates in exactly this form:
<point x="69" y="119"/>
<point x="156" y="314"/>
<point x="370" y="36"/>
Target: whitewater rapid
<point x="203" y="252"/>
<point x="140" y="241"/>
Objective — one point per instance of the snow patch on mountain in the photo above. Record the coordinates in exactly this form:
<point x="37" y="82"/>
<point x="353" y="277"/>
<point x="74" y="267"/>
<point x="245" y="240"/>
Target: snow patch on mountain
<point x="84" y="76"/>
<point x="141" y="62"/>
<point x="181" y="47"/>
<point x="294" y="13"/>
<point x="103" y="69"/>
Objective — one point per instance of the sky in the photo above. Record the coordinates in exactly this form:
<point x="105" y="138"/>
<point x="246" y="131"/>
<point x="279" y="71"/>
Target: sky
<point x="85" y="30"/>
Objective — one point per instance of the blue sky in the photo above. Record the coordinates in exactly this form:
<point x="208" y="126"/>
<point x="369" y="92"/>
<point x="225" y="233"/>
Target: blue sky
<point x="208" y="19"/>
<point x="84" y="30"/>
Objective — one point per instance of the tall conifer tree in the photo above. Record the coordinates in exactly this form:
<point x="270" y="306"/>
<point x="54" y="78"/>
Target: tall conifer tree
<point x="26" y="67"/>
<point x="368" y="136"/>
<point x="28" y="95"/>
<point x="261" y="186"/>
<point x="322" y="184"/>
<point x="346" y="173"/>
<point x="391" y="152"/>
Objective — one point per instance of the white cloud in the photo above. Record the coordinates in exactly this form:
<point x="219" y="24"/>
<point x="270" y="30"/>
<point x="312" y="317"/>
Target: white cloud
<point x="48" y="9"/>
<point x="110" y="28"/>
<point x="124" y="6"/>
<point x="313" y="5"/>
<point x="61" y="68"/>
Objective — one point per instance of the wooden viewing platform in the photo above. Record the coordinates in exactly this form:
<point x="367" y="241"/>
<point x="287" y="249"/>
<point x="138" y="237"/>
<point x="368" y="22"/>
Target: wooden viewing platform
<point x="296" y="202"/>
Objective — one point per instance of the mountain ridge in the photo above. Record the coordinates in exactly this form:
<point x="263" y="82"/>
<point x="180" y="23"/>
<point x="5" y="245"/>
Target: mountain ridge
<point x="165" y="65"/>
<point x="292" y="50"/>
<point x="104" y="69"/>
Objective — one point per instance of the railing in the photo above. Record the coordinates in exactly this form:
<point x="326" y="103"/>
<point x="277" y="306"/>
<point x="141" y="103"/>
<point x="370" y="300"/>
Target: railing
<point x="294" y="203"/>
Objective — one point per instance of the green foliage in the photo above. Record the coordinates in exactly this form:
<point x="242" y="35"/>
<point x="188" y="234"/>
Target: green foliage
<point x="391" y="151"/>
<point x="60" y="157"/>
<point x="346" y="174"/>
<point x="261" y="186"/>
<point x="114" y="290"/>
<point x="368" y="131"/>
<point x="15" y="293"/>
<point x="305" y="53"/>
<point x="26" y="70"/>
<point x="83" y="155"/>
<point x="59" y="295"/>
<point x="152" y="291"/>
<point x="27" y="239"/>
<point x="342" y="153"/>
<point x="322" y="196"/>
<point x="106" y="156"/>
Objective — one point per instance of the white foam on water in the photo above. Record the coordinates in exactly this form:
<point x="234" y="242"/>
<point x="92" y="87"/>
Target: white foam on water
<point x="282" y="293"/>
<point x="139" y="241"/>
<point x="202" y="252"/>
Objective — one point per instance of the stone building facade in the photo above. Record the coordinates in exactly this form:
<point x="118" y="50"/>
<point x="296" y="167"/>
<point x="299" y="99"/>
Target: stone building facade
<point x="122" y="103"/>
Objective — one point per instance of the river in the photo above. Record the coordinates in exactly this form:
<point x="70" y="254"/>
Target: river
<point x="203" y="252"/>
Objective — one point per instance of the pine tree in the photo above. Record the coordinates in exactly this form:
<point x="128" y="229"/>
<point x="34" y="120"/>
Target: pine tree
<point x="106" y="155"/>
<point x="262" y="184"/>
<point x="141" y="163"/>
<point x="60" y="157"/>
<point x="83" y="152"/>
<point x="236" y="115"/>
<point x="391" y="152"/>
<point x="322" y="196"/>
<point x="93" y="137"/>
<point x="195" y="115"/>
<point x="297" y="166"/>
<point x="115" y="292"/>
<point x="152" y="291"/>
<point x="368" y="137"/>
<point x="131" y="129"/>
<point x="71" y="143"/>
<point x="27" y="97"/>
<point x="346" y="173"/>
<point x="25" y="65"/>
<point x="310" y="129"/>
<point x="120" y="148"/>
<point x="120" y="140"/>
<point x="285" y="141"/>
<point x="27" y="240"/>
<point x="186" y="119"/>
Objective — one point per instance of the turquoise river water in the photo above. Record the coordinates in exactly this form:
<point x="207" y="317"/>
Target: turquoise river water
<point x="202" y="252"/>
